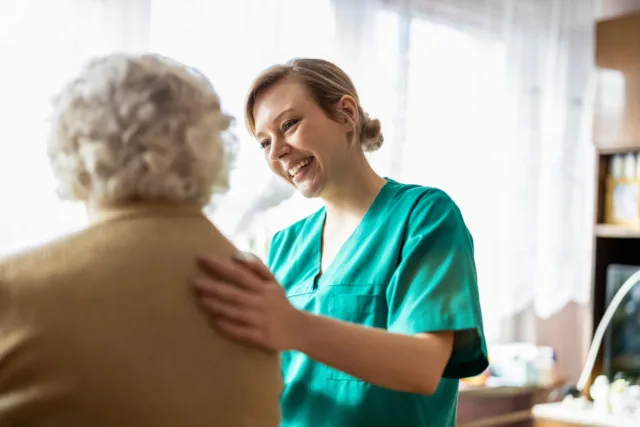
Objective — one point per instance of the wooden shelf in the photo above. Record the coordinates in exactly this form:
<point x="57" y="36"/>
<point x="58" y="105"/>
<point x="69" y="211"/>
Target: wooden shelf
<point x="616" y="231"/>
<point x="613" y="149"/>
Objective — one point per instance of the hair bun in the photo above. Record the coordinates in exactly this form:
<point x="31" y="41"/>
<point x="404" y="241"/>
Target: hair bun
<point x="371" y="136"/>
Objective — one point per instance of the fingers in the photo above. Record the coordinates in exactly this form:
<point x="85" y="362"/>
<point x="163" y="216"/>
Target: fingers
<point x="229" y="313"/>
<point x="254" y="264"/>
<point x="227" y="270"/>
<point x="239" y="332"/>
<point x="226" y="302"/>
<point x="238" y="294"/>
<point x="225" y="292"/>
<point x="232" y="310"/>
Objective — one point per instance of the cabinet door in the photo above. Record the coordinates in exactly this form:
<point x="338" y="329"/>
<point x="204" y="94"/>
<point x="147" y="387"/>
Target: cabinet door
<point x="617" y="109"/>
<point x="617" y="103"/>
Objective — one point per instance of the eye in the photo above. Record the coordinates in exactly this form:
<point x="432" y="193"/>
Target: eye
<point x="289" y="124"/>
<point x="264" y="144"/>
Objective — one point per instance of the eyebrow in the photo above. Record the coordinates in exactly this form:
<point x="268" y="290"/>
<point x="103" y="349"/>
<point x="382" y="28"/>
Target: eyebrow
<point x="277" y="118"/>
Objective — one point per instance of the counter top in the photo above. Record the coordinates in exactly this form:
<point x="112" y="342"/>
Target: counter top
<point x="498" y="390"/>
<point x="490" y="391"/>
<point x="566" y="413"/>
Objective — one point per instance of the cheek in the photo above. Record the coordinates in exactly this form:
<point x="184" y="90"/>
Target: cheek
<point x="333" y="135"/>
<point x="309" y="137"/>
<point x="275" y="167"/>
<point x="334" y="142"/>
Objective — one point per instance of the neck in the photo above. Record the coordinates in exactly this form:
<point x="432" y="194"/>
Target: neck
<point x="356" y="191"/>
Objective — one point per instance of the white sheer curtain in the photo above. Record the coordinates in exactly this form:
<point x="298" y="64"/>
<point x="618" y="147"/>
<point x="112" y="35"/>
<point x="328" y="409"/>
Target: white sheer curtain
<point x="232" y="41"/>
<point x="487" y="99"/>
<point x="498" y="114"/>
<point x="41" y="44"/>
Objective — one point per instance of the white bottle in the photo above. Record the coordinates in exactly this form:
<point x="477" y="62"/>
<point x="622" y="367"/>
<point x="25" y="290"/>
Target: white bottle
<point x="615" y="166"/>
<point x="629" y="168"/>
<point x="600" y="394"/>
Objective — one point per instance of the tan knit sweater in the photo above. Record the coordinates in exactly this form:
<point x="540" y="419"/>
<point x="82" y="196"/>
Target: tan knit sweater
<point x="102" y="329"/>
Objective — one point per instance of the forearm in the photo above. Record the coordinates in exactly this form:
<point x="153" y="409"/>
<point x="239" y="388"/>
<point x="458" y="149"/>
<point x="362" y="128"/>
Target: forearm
<point x="399" y="362"/>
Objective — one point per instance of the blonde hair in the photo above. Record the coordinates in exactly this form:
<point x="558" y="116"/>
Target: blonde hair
<point x="327" y="83"/>
<point x="139" y="128"/>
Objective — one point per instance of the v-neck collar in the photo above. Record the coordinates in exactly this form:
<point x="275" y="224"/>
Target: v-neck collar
<point x="348" y="244"/>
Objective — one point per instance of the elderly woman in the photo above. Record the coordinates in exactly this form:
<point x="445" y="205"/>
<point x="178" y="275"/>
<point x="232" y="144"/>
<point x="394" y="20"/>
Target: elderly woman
<point x="99" y="328"/>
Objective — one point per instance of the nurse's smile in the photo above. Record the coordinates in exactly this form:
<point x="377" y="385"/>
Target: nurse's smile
<point x="302" y="169"/>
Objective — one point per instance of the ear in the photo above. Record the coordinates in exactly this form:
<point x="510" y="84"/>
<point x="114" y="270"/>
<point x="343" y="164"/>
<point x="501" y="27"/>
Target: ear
<point x="348" y="106"/>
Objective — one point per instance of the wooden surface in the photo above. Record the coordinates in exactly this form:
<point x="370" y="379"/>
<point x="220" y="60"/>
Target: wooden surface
<point x="616" y="47"/>
<point x="617" y="104"/>
<point x="481" y="406"/>
<point x="548" y="423"/>
<point x="616" y="130"/>
<point x="616" y="232"/>
<point x="611" y="8"/>
<point x="563" y="415"/>
<point x="505" y="391"/>
<point x="617" y="108"/>
<point x="500" y="420"/>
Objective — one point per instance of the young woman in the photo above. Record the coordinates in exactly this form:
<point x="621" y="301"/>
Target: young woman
<point x="373" y="299"/>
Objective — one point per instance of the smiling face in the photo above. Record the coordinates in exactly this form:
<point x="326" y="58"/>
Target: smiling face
<point x="301" y="142"/>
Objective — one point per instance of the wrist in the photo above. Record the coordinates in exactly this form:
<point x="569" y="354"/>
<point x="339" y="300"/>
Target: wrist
<point x="301" y="328"/>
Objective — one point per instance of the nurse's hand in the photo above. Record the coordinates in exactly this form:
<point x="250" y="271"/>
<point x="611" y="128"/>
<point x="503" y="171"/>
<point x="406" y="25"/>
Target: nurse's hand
<point x="246" y="302"/>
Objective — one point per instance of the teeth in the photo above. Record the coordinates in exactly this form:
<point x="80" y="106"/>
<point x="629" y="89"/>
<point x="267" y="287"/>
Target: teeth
<point x="294" y="170"/>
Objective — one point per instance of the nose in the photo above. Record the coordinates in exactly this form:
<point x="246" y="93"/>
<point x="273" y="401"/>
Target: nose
<point x="279" y="148"/>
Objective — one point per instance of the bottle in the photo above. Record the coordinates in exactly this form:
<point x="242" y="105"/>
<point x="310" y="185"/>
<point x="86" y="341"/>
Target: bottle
<point x="599" y="391"/>
<point x="629" y="168"/>
<point x="615" y="166"/>
<point x="546" y="366"/>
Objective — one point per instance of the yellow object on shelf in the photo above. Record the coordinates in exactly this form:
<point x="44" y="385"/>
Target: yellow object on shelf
<point x="622" y="205"/>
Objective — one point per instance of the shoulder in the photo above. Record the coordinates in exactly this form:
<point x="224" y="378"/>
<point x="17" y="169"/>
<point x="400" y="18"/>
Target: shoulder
<point x="37" y="265"/>
<point x="18" y="271"/>
<point x="291" y="233"/>
<point x="419" y="204"/>
<point x="429" y="216"/>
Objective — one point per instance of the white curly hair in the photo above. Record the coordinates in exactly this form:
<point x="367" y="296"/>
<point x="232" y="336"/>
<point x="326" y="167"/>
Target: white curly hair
<point x="140" y="128"/>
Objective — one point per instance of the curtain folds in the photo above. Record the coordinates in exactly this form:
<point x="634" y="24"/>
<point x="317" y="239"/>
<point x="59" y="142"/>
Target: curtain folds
<point x="489" y="100"/>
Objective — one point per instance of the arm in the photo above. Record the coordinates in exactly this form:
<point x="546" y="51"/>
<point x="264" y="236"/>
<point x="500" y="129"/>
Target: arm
<point x="267" y="319"/>
<point x="389" y="360"/>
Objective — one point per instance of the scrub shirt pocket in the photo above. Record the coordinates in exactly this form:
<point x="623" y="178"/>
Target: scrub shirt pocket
<point x="362" y="307"/>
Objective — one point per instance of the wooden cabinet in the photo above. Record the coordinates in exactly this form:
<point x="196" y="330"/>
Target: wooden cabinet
<point x="616" y="130"/>
<point x="617" y="101"/>
<point x="617" y="111"/>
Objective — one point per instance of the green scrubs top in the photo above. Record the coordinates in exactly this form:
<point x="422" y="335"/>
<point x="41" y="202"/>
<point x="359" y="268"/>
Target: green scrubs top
<point x="407" y="268"/>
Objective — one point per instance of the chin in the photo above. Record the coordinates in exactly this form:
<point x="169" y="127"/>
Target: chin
<point x="309" y="190"/>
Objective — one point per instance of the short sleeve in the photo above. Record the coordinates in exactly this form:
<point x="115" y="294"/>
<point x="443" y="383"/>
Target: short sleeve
<point x="273" y="249"/>
<point x="434" y="287"/>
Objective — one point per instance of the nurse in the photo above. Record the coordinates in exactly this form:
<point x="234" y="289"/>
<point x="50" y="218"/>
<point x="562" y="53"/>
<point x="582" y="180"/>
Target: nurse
<point x="373" y="300"/>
